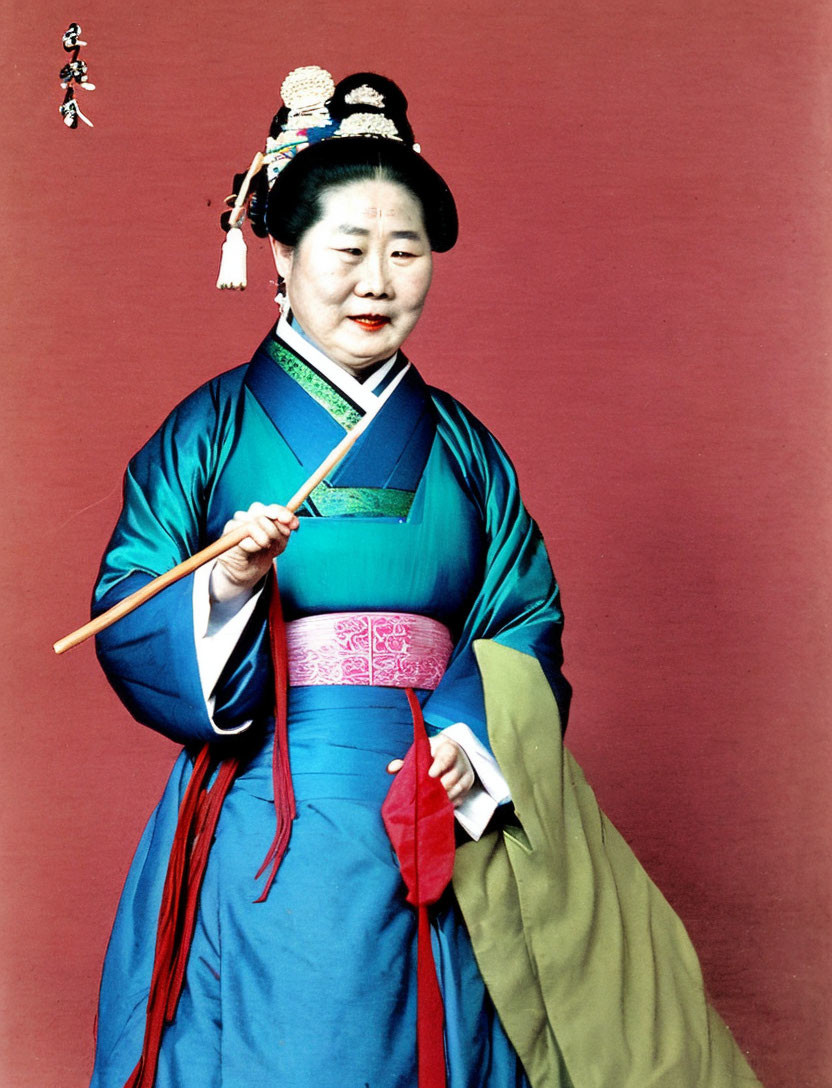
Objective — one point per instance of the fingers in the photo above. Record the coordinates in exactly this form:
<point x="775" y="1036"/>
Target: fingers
<point x="263" y="533"/>
<point x="269" y="527"/>
<point x="445" y="755"/>
<point x="458" y="791"/>
<point x="275" y="513"/>
<point x="452" y="767"/>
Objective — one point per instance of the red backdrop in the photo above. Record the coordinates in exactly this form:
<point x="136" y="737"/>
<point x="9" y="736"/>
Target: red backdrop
<point x="638" y="307"/>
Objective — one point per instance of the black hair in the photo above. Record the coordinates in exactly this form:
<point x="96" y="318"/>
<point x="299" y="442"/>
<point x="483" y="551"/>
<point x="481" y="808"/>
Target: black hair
<point x="296" y="201"/>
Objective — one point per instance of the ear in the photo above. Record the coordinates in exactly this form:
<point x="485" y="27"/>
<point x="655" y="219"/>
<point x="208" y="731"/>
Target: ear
<point x="283" y="256"/>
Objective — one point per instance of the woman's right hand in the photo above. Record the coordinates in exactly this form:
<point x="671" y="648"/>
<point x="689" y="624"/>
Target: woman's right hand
<point x="238" y="570"/>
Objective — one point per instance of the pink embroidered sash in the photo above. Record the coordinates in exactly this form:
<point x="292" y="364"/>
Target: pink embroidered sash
<point x="385" y="649"/>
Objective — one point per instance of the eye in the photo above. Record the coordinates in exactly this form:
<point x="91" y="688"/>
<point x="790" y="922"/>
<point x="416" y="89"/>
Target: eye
<point x="403" y="253"/>
<point x="350" y="251"/>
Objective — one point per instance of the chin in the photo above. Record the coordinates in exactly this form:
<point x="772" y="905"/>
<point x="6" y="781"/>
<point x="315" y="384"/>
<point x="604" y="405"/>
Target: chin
<point x="363" y="354"/>
<point x="364" y="362"/>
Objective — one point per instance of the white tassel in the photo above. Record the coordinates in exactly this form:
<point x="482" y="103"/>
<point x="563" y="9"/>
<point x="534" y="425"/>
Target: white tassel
<point x="233" y="264"/>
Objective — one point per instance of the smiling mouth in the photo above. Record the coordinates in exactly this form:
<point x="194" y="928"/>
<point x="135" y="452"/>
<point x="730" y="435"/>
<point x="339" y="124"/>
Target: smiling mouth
<point x="370" y="322"/>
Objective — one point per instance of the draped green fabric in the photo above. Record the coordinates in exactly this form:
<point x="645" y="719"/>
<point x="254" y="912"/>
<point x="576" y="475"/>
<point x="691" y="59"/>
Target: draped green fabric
<point x="591" y="971"/>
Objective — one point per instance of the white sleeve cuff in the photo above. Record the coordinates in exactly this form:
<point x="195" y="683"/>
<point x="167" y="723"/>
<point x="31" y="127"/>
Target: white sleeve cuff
<point x="490" y="789"/>
<point x="217" y="630"/>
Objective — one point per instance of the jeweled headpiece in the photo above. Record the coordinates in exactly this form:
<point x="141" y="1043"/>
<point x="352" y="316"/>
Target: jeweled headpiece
<point x="315" y="112"/>
<point x="305" y="93"/>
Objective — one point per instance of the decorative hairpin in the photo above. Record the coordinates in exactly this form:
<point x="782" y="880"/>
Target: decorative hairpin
<point x="72" y="75"/>
<point x="305" y="92"/>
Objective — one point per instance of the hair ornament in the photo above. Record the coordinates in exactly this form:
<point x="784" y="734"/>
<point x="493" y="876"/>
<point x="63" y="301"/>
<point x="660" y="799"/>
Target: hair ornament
<point x="369" y="124"/>
<point x="365" y="96"/>
<point x="232" y="275"/>
<point x="304" y="119"/>
<point x="305" y="93"/>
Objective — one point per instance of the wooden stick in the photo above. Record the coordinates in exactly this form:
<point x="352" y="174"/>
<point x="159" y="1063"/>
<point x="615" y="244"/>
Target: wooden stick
<point x="229" y="540"/>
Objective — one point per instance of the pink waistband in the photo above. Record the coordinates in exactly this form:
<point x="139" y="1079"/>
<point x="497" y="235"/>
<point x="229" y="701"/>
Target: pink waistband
<point x="386" y="649"/>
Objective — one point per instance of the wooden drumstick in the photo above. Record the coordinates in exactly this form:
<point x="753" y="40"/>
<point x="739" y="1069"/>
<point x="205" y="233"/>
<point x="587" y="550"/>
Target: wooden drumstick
<point x="229" y="540"/>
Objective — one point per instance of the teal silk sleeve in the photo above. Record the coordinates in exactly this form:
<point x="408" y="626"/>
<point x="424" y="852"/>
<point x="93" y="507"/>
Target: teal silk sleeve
<point x="518" y="603"/>
<point x="149" y="656"/>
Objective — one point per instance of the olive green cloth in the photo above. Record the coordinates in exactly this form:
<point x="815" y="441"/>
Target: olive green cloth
<point x="592" y="973"/>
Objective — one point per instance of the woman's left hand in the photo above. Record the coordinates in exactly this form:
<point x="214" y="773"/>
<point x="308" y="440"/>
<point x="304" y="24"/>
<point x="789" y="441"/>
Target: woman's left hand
<point x="450" y="765"/>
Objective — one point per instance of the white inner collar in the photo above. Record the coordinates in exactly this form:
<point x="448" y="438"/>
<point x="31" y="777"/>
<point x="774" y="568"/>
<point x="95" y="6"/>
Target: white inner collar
<point x="360" y="393"/>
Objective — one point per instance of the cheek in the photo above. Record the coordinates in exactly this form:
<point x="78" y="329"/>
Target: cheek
<point x="333" y="285"/>
<point x="322" y="293"/>
<point x="415" y="291"/>
<point x="316" y="274"/>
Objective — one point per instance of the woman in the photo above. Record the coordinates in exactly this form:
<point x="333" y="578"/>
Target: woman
<point x="415" y="547"/>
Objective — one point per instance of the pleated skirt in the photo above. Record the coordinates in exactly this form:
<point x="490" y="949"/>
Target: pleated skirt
<point x="316" y="986"/>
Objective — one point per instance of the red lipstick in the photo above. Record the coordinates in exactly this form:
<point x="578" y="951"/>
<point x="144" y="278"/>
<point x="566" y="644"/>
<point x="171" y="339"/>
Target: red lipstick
<point x="370" y="322"/>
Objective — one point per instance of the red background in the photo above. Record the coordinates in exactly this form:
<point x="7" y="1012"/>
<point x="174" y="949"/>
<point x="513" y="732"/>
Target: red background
<point x="639" y="308"/>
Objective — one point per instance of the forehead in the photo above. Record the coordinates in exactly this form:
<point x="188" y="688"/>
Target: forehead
<point x="364" y="203"/>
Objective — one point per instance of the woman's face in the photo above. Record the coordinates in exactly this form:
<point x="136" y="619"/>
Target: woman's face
<point x="358" y="278"/>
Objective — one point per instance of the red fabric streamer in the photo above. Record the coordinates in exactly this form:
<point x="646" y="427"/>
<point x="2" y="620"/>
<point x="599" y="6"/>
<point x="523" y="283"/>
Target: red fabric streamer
<point x="195" y="829"/>
<point x="284" y="794"/>
<point x="419" y="820"/>
<point x="198" y="815"/>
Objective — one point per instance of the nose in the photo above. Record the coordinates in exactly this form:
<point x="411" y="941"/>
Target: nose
<point x="373" y="280"/>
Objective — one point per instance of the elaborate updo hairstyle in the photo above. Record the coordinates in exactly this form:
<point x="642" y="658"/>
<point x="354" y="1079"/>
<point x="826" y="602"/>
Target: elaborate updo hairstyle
<point x="364" y="135"/>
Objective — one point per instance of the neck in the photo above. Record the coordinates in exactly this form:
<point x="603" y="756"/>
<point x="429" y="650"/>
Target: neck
<point x="361" y="374"/>
<point x="362" y="389"/>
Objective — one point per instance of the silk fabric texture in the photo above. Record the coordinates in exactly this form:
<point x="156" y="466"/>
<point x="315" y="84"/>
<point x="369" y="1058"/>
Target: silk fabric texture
<point x="317" y="984"/>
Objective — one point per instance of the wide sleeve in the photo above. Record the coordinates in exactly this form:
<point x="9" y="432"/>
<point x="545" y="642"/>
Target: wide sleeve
<point x="150" y="657"/>
<point x="518" y="603"/>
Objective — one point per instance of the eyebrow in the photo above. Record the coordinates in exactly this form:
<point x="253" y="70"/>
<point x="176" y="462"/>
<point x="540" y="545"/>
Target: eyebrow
<point x="348" y="228"/>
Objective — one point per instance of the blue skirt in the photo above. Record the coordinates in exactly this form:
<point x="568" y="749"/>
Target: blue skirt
<point x="316" y="986"/>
